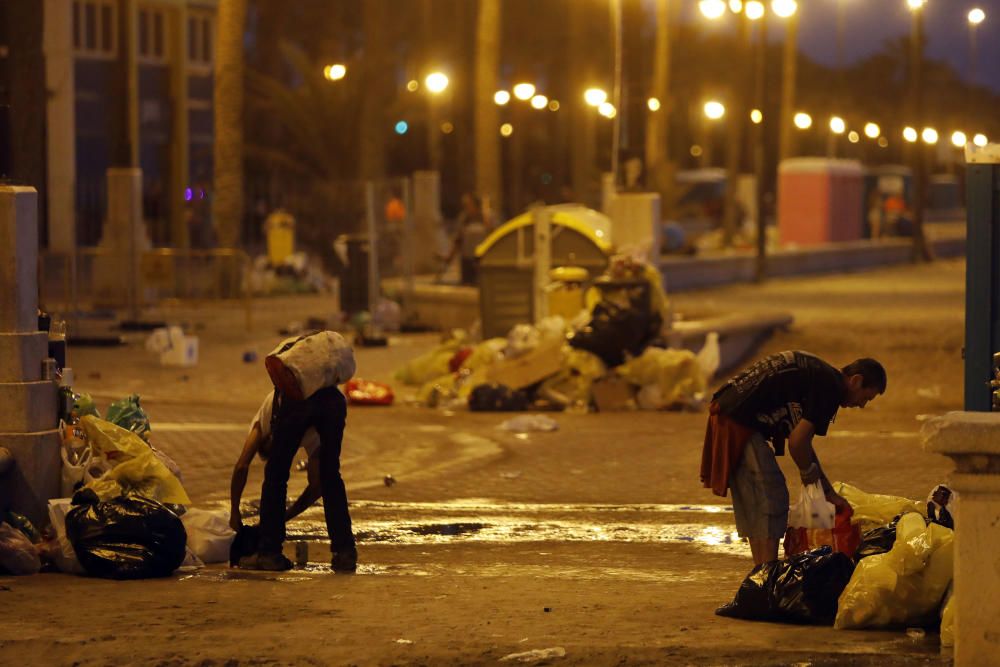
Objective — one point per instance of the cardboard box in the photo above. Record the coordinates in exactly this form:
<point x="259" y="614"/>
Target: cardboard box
<point x="529" y="368"/>
<point x="612" y="393"/>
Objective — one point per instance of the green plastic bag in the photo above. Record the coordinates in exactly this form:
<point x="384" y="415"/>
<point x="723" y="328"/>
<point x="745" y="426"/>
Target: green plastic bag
<point x="128" y="414"/>
<point x="83" y="404"/>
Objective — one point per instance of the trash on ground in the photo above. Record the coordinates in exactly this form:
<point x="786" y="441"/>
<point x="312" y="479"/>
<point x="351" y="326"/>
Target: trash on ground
<point x="128" y="414"/>
<point x="497" y="398"/>
<point x="873" y="510"/>
<point x="368" y="392"/>
<point x="388" y="480"/>
<point x="128" y="537"/>
<point x="529" y="423"/>
<point x="174" y="348"/>
<point x="296" y="273"/>
<point x="801" y="589"/>
<point x="59" y="550"/>
<point x="18" y="555"/>
<point x="536" y="655"/>
<point x="813" y="522"/>
<point x="208" y="534"/>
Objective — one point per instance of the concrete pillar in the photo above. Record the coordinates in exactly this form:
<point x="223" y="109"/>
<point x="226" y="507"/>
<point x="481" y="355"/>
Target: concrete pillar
<point x="123" y="240"/>
<point x="28" y="417"/>
<point x="635" y="224"/>
<point x="428" y="231"/>
<point x="972" y="440"/>
<point x="60" y="125"/>
<point x="180" y="141"/>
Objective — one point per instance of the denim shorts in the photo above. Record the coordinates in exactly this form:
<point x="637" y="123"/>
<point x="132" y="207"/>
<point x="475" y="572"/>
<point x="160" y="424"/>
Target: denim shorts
<point x="760" y="495"/>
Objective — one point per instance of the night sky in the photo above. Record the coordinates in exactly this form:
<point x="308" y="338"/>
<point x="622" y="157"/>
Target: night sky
<point x="870" y="22"/>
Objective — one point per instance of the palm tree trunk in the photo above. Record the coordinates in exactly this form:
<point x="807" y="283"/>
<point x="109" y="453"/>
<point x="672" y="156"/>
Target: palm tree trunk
<point x="227" y="204"/>
<point x="487" y="117"/>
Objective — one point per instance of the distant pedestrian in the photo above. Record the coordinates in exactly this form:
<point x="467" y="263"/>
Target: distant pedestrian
<point x="470" y="231"/>
<point x="789" y="395"/>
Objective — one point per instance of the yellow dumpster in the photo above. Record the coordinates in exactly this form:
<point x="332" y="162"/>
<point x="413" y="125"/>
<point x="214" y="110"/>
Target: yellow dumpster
<point x="279" y="227"/>
<point x="566" y="290"/>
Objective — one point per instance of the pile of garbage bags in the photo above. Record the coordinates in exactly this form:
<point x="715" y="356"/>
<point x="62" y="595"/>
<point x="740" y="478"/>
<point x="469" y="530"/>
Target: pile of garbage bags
<point x="297" y="274"/>
<point x="124" y="514"/>
<point x="610" y="357"/>
<point x="899" y="576"/>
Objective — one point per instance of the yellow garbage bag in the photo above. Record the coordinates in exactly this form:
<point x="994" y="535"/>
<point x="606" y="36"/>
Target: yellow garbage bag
<point x="431" y="364"/>
<point x="872" y="510"/>
<point x="136" y="467"/>
<point x="572" y="384"/>
<point x="675" y="374"/>
<point x="485" y="354"/>
<point x="904" y="586"/>
<point x="948" y="621"/>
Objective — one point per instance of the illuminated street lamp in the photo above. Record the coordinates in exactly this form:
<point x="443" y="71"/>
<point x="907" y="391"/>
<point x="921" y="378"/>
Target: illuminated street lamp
<point x="554" y="105"/>
<point x="506" y="130"/>
<point x="714" y="110"/>
<point x="958" y="139"/>
<point x="539" y="102"/>
<point x="334" y="72"/>
<point x="653" y="104"/>
<point x="784" y="8"/>
<point x="412" y="85"/>
<point x="915" y="4"/>
<point x="756" y="116"/>
<point x="853" y="137"/>
<point x="837" y="125"/>
<point x="872" y="130"/>
<point x="754" y="9"/>
<point x="501" y="97"/>
<point x="980" y="140"/>
<point x="803" y="121"/>
<point x="910" y="134"/>
<point x="436" y="82"/>
<point x="736" y="6"/>
<point x="524" y="91"/>
<point x="883" y="142"/>
<point x="607" y="109"/>
<point x="712" y="9"/>
<point x="976" y="16"/>
<point x="929" y="135"/>
<point x="595" y="97"/>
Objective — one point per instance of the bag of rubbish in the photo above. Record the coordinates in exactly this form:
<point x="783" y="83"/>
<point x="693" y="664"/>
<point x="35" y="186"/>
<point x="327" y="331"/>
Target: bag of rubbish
<point x="432" y="364"/>
<point x="136" y="466"/>
<point x="17" y="554"/>
<point x="61" y="552"/>
<point x="83" y="404"/>
<point x="801" y="589"/>
<point x="529" y="423"/>
<point x="521" y="339"/>
<point x="676" y="375"/>
<point x="906" y="585"/>
<point x="497" y="398"/>
<point x="948" y="620"/>
<point x="613" y="331"/>
<point x="128" y="537"/>
<point x="877" y="541"/>
<point x="128" y="414"/>
<point x="709" y="356"/>
<point x="872" y="510"/>
<point x="813" y="523"/>
<point x="208" y="534"/>
<point x="367" y="392"/>
<point x="23" y="524"/>
<point x="244" y="543"/>
<point x="484" y="355"/>
<point x="301" y="366"/>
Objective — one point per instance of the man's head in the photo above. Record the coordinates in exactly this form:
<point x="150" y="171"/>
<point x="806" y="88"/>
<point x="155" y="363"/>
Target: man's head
<point x="864" y="379"/>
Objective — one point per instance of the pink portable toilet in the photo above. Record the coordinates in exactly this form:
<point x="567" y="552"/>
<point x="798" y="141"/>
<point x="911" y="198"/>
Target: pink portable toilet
<point x="819" y="200"/>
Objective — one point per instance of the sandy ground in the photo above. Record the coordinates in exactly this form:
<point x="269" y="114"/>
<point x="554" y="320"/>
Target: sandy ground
<point x="596" y="538"/>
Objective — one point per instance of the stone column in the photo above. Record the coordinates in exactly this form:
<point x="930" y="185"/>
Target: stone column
<point x="427" y="228"/>
<point x="61" y="125"/>
<point x="28" y="417"/>
<point x="972" y="440"/>
<point x="123" y="240"/>
<point x="635" y="224"/>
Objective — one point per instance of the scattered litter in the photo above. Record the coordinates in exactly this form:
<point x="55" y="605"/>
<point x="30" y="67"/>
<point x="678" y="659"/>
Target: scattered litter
<point x="915" y="633"/>
<point x="934" y="391"/>
<point x="528" y="423"/>
<point x="174" y="348"/>
<point x="547" y="609"/>
<point x="536" y="654"/>
<point x="513" y="474"/>
<point x="128" y="414"/>
<point x="367" y="392"/>
<point x="249" y="357"/>
<point x="404" y="641"/>
<point x="388" y="480"/>
<point x="208" y="534"/>
<point x="17" y="554"/>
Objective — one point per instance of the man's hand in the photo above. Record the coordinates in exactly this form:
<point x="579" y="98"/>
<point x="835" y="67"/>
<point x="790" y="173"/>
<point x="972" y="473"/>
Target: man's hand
<point x="235" y="520"/>
<point x="839" y="502"/>
<point x="810" y="475"/>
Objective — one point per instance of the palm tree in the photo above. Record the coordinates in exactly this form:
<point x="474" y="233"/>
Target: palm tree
<point x="227" y="203"/>
<point x="486" y="113"/>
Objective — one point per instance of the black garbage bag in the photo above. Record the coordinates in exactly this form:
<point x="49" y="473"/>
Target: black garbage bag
<point x="244" y="544"/>
<point x="801" y="589"/>
<point x="614" y="330"/>
<point x="127" y="537"/>
<point x="877" y="540"/>
<point x="497" y="398"/>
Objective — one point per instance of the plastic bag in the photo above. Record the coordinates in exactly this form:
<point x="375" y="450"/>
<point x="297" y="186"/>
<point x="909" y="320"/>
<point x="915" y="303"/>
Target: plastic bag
<point x="873" y="510"/>
<point x="521" y="339"/>
<point x="497" y="398"/>
<point x="709" y="356"/>
<point x="23" y="524"/>
<point x="801" y="589"/>
<point x="527" y="423"/>
<point x="129" y="537"/>
<point x="433" y="364"/>
<point x="904" y="586"/>
<point x="366" y="392"/>
<point x="675" y="373"/>
<point x="84" y="405"/>
<point x="811" y="510"/>
<point x="61" y="552"/>
<point x="128" y="414"/>
<point x="613" y="331"/>
<point x="136" y="467"/>
<point x="843" y="537"/>
<point x="208" y="534"/>
<point x="573" y="383"/>
<point x="17" y="554"/>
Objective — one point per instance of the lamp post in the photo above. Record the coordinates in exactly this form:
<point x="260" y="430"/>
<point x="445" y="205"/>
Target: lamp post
<point x="755" y="12"/>
<point x="787" y="9"/>
<point x="436" y="83"/>
<point x="976" y="16"/>
<point x="921" y="250"/>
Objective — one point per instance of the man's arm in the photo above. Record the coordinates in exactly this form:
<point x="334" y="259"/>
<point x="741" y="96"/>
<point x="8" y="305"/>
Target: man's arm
<point x="801" y="448"/>
<point x="240" y="471"/>
<point x="310" y="494"/>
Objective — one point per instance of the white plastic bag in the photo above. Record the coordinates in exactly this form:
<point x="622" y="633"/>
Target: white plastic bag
<point x="811" y="510"/>
<point x="64" y="556"/>
<point x="710" y="356"/>
<point x="208" y="534"/>
<point x="73" y="471"/>
<point x="527" y="423"/>
<point x="301" y="366"/>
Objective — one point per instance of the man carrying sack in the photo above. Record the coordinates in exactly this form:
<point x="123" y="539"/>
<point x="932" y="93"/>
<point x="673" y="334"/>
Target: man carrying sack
<point x="306" y="372"/>
<point x="789" y="395"/>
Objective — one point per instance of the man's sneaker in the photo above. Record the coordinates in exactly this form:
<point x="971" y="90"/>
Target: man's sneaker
<point x="269" y="562"/>
<point x="345" y="560"/>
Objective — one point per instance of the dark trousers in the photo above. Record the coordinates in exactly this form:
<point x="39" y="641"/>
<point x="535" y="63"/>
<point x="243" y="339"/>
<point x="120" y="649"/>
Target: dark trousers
<point x="326" y="411"/>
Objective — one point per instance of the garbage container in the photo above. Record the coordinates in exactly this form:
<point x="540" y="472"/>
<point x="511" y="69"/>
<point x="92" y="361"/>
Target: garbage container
<point x="280" y="230"/>
<point x="566" y="290"/>
<point x="353" y="273"/>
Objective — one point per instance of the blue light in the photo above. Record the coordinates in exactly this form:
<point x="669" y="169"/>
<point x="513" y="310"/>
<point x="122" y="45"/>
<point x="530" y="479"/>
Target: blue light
<point x="188" y="195"/>
<point x="402" y="127"/>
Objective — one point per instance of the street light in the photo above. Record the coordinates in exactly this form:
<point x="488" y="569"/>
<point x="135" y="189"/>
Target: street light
<point x="436" y="82"/>
<point x="976" y="16"/>
<point x="916" y="4"/>
<point x="607" y="109"/>
<point x="335" y="72"/>
<point x="853" y="137"/>
<point x="524" y="91"/>
<point x="929" y="135"/>
<point x="910" y="134"/>
<point x="653" y="104"/>
<point x="712" y="9"/>
<point x="958" y="139"/>
<point x="784" y="8"/>
<point x="506" y="130"/>
<point x="837" y="125"/>
<point x="980" y="140"/>
<point x="412" y="85"/>
<point x="754" y="9"/>
<point x="803" y="121"/>
<point x="501" y="97"/>
<point x="872" y="130"/>
<point x="539" y="102"/>
<point x="736" y="6"/>
<point x="714" y="110"/>
<point x="554" y="105"/>
<point x="756" y="116"/>
<point x="595" y="97"/>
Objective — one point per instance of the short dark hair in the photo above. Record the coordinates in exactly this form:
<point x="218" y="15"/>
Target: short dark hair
<point x="871" y="372"/>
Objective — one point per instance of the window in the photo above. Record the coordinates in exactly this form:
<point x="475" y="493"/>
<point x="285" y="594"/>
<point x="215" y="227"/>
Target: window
<point x="201" y="27"/>
<point x="95" y="28"/>
<point x="152" y="37"/>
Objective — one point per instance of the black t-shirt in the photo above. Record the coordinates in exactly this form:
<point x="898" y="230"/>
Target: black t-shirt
<point x="774" y="394"/>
